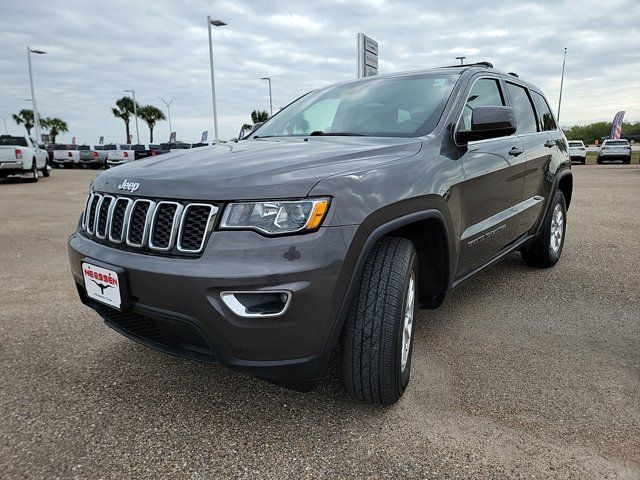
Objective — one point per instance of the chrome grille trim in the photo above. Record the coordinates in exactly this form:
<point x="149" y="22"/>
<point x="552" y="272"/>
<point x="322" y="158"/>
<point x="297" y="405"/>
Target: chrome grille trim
<point x="166" y="225"/>
<point x="147" y="221"/>
<point x="177" y="217"/>
<point x="96" y="220"/>
<point x="92" y="212"/>
<point x="212" y="211"/>
<point x="125" y="225"/>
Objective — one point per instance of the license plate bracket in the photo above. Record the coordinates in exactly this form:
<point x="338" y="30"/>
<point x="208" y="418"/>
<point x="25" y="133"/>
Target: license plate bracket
<point x="105" y="283"/>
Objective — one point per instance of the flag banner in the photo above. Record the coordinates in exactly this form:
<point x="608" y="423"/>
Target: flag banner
<point x="205" y="135"/>
<point x="73" y="140"/>
<point x="101" y="141"/>
<point x="616" y="126"/>
<point x="172" y="137"/>
<point x="130" y="138"/>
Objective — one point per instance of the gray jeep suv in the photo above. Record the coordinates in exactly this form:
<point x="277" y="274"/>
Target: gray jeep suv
<point x="328" y="226"/>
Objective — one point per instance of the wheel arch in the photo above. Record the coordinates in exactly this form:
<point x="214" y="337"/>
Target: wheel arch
<point x="564" y="183"/>
<point x="425" y="225"/>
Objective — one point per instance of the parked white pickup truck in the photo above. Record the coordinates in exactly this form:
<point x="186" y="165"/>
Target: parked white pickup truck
<point x="66" y="156"/>
<point x="117" y="154"/>
<point x="22" y="155"/>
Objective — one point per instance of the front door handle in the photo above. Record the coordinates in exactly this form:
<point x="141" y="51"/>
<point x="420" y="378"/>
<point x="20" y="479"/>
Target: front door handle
<point x="515" y="151"/>
<point x="550" y="143"/>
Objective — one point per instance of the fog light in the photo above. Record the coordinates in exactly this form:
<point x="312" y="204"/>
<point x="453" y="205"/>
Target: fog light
<point x="252" y="304"/>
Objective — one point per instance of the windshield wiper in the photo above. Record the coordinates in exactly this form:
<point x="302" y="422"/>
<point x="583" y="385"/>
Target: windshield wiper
<point x="336" y="134"/>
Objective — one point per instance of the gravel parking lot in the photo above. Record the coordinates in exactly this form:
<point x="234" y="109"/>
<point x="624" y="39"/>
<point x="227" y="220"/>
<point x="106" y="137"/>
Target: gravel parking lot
<point x="521" y="373"/>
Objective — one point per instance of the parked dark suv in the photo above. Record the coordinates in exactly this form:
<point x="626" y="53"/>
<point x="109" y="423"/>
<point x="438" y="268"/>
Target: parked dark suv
<point x="328" y="226"/>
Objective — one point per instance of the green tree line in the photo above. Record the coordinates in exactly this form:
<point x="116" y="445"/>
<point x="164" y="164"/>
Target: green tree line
<point x="54" y="125"/>
<point x="589" y="133"/>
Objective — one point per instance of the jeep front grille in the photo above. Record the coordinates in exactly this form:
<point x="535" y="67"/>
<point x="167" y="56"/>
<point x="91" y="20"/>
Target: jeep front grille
<point x="149" y="226"/>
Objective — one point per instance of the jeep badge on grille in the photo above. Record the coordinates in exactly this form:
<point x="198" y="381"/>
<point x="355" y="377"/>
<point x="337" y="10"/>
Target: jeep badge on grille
<point x="127" y="185"/>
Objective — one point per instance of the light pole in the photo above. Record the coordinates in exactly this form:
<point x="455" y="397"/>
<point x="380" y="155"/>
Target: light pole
<point x="215" y="23"/>
<point x="561" y="84"/>
<point x="135" y="114"/>
<point x="36" y="118"/>
<point x="168" y="105"/>
<point x="270" y="99"/>
<point x="461" y="60"/>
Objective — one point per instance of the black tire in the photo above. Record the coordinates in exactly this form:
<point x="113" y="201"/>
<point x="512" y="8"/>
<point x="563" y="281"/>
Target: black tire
<point x="627" y="161"/>
<point x="599" y="161"/>
<point x="34" y="173"/>
<point x="583" y="161"/>
<point x="45" y="169"/>
<point x="542" y="252"/>
<point x="372" y="338"/>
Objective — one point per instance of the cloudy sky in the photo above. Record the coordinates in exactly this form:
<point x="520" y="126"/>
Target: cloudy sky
<point x="98" y="49"/>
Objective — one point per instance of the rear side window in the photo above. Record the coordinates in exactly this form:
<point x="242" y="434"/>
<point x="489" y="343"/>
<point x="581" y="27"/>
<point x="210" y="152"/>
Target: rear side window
<point x="484" y="93"/>
<point x="522" y="108"/>
<point x="544" y="112"/>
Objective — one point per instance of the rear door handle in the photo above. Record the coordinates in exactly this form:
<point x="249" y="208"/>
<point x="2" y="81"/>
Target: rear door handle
<point x="550" y="143"/>
<point x="515" y="151"/>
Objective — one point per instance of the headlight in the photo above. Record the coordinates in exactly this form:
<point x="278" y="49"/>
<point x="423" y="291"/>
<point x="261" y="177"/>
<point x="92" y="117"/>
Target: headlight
<point x="276" y="217"/>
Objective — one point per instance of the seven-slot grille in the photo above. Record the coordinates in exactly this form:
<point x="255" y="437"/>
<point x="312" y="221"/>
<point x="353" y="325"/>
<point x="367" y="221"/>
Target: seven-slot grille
<point x="143" y="224"/>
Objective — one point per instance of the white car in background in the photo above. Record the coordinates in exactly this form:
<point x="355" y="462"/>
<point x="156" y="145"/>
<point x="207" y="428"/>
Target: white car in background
<point x="22" y="155"/>
<point x="615" y="150"/>
<point x="577" y="151"/>
<point x="65" y="156"/>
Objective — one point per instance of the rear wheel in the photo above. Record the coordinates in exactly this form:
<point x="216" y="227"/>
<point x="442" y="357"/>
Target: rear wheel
<point x="599" y="161"/>
<point x="545" y="251"/>
<point x="33" y="174"/>
<point x="45" y="169"/>
<point x="377" y="340"/>
<point x="583" y="161"/>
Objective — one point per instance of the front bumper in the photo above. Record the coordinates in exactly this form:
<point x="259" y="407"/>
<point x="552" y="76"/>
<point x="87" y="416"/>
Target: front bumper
<point x="180" y="297"/>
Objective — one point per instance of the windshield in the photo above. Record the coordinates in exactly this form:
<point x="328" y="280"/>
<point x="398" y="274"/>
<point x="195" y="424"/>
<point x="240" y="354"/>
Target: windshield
<point x="382" y="107"/>
<point x="110" y="146"/>
<point x="575" y="144"/>
<point x="616" y="142"/>
<point x="83" y="147"/>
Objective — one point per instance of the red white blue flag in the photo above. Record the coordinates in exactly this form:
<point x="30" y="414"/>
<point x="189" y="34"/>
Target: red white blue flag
<point x="616" y="126"/>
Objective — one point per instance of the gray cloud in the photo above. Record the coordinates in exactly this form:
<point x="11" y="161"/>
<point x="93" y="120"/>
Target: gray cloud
<point x="95" y="50"/>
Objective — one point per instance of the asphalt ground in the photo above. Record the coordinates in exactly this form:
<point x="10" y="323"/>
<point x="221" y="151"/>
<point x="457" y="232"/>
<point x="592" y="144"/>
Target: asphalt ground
<point x="522" y="373"/>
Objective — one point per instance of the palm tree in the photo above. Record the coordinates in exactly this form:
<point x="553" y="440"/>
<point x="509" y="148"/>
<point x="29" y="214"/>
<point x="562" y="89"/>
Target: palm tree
<point x="124" y="110"/>
<point x="258" y="116"/>
<point x="151" y="115"/>
<point x="55" y="127"/>
<point x="24" y="116"/>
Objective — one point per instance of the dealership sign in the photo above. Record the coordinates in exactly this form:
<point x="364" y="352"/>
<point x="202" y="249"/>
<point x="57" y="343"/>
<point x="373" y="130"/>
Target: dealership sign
<point x="367" y="56"/>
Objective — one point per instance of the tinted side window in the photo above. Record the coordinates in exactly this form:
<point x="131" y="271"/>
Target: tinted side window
<point x="522" y="108"/>
<point x="544" y="112"/>
<point x="484" y="93"/>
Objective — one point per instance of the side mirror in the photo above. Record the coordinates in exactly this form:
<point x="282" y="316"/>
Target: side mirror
<point x="256" y="126"/>
<point x="489" y="122"/>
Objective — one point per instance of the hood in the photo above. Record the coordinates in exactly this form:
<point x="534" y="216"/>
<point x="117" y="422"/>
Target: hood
<point x="253" y="169"/>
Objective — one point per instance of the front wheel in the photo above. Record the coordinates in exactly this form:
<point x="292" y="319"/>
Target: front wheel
<point x="377" y="340"/>
<point x="45" y="169"/>
<point x="545" y="250"/>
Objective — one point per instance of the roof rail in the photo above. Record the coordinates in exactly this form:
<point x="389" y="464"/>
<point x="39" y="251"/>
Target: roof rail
<point x="514" y="74"/>
<point x="477" y="64"/>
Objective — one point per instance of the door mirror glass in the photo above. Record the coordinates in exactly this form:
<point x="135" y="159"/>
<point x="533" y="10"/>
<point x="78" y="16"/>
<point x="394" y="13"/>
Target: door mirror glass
<point x="489" y="122"/>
